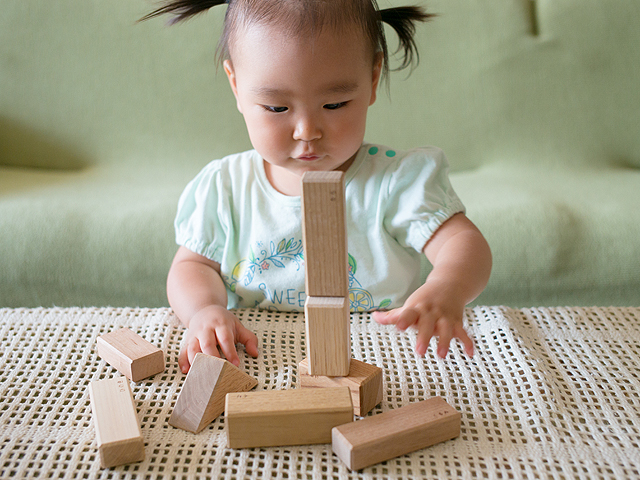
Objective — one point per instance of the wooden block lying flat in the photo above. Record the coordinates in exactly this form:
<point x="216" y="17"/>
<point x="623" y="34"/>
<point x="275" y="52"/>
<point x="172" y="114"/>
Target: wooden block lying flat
<point x="117" y="427"/>
<point x="364" y="382"/>
<point x="285" y="417"/>
<point x="396" y="432"/>
<point x="130" y="354"/>
<point x="328" y="328"/>
<point x="203" y="393"/>
<point x="324" y="234"/>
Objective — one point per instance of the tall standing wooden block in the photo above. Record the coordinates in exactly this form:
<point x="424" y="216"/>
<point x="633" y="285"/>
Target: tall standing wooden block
<point x="203" y="393"/>
<point x="396" y="432"/>
<point x="364" y="382"/>
<point x="118" y="432"/>
<point x="285" y="417"/>
<point x="328" y="329"/>
<point x="130" y="354"/>
<point x="324" y="234"/>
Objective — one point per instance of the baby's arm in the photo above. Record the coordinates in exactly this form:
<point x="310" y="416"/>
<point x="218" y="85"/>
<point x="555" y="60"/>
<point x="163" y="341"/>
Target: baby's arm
<point x="199" y="298"/>
<point x="461" y="261"/>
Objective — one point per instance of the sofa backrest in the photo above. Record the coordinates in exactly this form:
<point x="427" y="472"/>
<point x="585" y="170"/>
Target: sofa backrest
<point x="535" y="81"/>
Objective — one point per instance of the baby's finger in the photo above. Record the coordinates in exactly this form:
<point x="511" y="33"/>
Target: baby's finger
<point x="209" y="346"/>
<point x="248" y="339"/>
<point x="444" y="330"/>
<point x="407" y="317"/>
<point x="425" y="332"/>
<point x="386" y="318"/>
<point x="183" y="360"/>
<point x="193" y="348"/>
<point x="466" y="340"/>
<point x="227" y="344"/>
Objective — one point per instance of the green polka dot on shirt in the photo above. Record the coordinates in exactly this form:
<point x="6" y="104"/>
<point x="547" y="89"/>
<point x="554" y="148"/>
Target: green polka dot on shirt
<point x="373" y="150"/>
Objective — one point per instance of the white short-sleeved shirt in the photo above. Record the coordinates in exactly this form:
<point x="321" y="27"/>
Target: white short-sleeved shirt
<point x="395" y="201"/>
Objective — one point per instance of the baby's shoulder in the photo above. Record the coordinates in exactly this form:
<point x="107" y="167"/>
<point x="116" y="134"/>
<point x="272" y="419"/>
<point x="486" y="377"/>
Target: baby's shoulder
<point x="232" y="164"/>
<point x="237" y="167"/>
<point x="392" y="162"/>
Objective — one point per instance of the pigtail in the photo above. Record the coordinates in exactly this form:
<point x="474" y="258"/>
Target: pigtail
<point x="183" y="9"/>
<point x="403" y="21"/>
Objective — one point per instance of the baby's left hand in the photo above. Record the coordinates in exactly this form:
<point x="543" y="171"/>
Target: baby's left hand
<point x="432" y="314"/>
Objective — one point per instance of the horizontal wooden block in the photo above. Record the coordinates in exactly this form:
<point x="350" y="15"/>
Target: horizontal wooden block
<point x="397" y="432"/>
<point x="117" y="427"/>
<point x="285" y="417"/>
<point x="364" y="382"/>
<point x="130" y="354"/>
<point x="324" y="234"/>
<point x="203" y="393"/>
<point x="328" y="332"/>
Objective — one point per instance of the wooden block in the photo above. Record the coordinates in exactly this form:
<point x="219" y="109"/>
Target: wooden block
<point x="285" y="417"/>
<point x="203" y="393"/>
<point x="324" y="234"/>
<point x="117" y="428"/>
<point x="364" y="382"/>
<point x="130" y="354"/>
<point x="396" y="432"/>
<point x="328" y="328"/>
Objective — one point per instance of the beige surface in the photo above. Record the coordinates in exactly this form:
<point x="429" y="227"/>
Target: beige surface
<point x="551" y="393"/>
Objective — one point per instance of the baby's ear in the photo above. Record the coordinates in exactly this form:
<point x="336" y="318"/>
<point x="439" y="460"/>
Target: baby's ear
<point x="377" y="72"/>
<point x="231" y="75"/>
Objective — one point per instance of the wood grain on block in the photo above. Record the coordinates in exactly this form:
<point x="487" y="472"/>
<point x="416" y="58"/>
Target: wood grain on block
<point x="285" y="417"/>
<point x="202" y="397"/>
<point x="397" y="432"/>
<point x="364" y="382"/>
<point x="116" y="423"/>
<point x="324" y="234"/>
<point x="130" y="354"/>
<point x="328" y="332"/>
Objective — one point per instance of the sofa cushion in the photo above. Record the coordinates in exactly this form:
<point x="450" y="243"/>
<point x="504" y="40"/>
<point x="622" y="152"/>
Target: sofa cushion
<point x="559" y="236"/>
<point x="95" y="237"/>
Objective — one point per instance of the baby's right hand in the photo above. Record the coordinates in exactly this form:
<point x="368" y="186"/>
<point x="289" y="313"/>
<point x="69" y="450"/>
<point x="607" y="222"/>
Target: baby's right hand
<point x="215" y="330"/>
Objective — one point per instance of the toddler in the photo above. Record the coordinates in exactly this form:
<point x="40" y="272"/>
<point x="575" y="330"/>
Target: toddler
<point x="304" y="73"/>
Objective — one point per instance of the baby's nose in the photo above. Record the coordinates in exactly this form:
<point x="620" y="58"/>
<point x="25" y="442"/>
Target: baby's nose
<point x="307" y="129"/>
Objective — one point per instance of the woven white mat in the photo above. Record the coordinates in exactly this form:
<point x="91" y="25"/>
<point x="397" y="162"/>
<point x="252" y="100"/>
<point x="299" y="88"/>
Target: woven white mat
<point x="550" y="393"/>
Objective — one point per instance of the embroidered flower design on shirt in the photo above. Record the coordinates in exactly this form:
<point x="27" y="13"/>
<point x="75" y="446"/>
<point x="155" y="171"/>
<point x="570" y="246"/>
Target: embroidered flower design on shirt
<point x="285" y="252"/>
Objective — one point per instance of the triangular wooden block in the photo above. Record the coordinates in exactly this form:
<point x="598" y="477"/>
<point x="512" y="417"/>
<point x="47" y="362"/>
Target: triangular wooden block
<point x="204" y="390"/>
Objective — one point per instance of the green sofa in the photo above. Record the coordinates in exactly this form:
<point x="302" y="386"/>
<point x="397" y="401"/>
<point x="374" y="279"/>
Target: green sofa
<point x="103" y="121"/>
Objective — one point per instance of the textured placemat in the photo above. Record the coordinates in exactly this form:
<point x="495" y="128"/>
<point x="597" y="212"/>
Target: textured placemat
<point x="550" y="393"/>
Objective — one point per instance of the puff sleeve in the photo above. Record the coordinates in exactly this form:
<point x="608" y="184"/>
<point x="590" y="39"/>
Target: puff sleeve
<point x="420" y="197"/>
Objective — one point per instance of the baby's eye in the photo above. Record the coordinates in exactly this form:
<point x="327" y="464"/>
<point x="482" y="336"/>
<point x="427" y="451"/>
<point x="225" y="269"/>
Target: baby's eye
<point x="335" y="106"/>
<point x="275" y="109"/>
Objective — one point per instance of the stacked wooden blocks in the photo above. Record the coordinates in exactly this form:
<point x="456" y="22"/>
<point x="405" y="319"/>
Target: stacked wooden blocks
<point x="324" y="236"/>
<point x="328" y="320"/>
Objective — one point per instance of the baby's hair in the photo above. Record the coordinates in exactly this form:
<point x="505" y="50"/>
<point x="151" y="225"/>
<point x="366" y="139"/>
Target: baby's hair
<point x="309" y="16"/>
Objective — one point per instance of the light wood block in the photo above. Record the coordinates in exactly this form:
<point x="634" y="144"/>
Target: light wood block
<point x="285" y="417"/>
<point x="364" y="382"/>
<point x="328" y="329"/>
<point x="324" y="234"/>
<point x="396" y="432"/>
<point x="130" y="354"/>
<point x="117" y="427"/>
<point x="203" y="393"/>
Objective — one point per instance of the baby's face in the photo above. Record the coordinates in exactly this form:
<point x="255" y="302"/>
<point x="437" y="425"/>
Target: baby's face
<point x="304" y="100"/>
